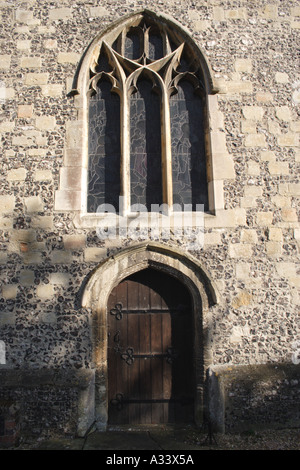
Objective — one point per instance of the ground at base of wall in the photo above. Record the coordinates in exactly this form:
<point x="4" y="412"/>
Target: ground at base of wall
<point x="181" y="439"/>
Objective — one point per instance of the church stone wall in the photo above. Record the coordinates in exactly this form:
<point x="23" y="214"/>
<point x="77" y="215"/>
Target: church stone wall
<point x="251" y="247"/>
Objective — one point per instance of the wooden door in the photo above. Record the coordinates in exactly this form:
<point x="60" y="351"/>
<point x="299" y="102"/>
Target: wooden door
<point x="150" y="349"/>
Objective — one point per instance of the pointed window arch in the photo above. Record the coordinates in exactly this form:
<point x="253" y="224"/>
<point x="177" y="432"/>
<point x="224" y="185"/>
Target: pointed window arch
<point x="183" y="125"/>
<point x="161" y="115"/>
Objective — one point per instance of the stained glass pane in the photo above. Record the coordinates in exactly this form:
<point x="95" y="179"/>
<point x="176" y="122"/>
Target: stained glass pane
<point x="145" y="152"/>
<point x="133" y="45"/>
<point x="188" y="151"/>
<point x="155" y="46"/>
<point x="104" y="148"/>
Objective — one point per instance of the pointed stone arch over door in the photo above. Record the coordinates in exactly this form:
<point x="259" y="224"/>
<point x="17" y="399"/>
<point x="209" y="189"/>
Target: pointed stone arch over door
<point x="165" y="261"/>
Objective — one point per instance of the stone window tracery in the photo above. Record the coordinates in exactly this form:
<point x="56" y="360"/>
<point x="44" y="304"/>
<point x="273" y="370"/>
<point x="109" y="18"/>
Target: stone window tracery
<point x="144" y="64"/>
<point x="146" y="115"/>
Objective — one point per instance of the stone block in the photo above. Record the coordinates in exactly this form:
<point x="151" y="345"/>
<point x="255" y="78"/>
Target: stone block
<point x="9" y="291"/>
<point x="236" y="14"/>
<point x="243" y="65"/>
<point x="295" y="11"/>
<point x="25" y="111"/>
<point x="243" y="299"/>
<point x="73" y="157"/>
<point x="283" y="113"/>
<point x="94" y="254"/>
<point x="5" y="60"/>
<point x="238" y="86"/>
<point x="218" y="142"/>
<point x="6" y="126"/>
<point x="7" y="204"/>
<point x="274" y="127"/>
<point x="68" y="200"/>
<point x="47" y="317"/>
<point x="6" y="223"/>
<point x="74" y="242"/>
<point x="201" y="25"/>
<point x="212" y="238"/>
<point x="215" y="195"/>
<point x="98" y="11"/>
<point x="253" y="191"/>
<point x="240" y="250"/>
<point x="248" y="236"/>
<point x="264" y="218"/>
<point x="74" y="134"/>
<point x="50" y="44"/>
<point x="45" y="123"/>
<point x="242" y="270"/>
<point x="68" y="58"/>
<point x="45" y="291"/>
<point x="286" y="269"/>
<point x="52" y="90"/>
<point x="255" y="140"/>
<point x="7" y="318"/>
<point x="249" y="126"/>
<point x="270" y="12"/>
<point x="223" y="167"/>
<point x="23" y="235"/>
<point x="264" y="96"/>
<point x="267" y="156"/>
<point x="289" y="189"/>
<point x="281" y="201"/>
<point x="70" y="179"/>
<point x="60" y="14"/>
<point x="38" y="79"/>
<point x="288" y="140"/>
<point x="34" y="204"/>
<point x="275" y="234"/>
<point x="226" y="218"/>
<point x="9" y="93"/>
<point x="23" y="16"/>
<point x="253" y="113"/>
<point x="27" y="277"/>
<point x="218" y="13"/>
<point x="279" y="168"/>
<point x="31" y="62"/>
<point x="281" y="77"/>
<point x="18" y="174"/>
<point x="297" y="233"/>
<point x="37" y="152"/>
<point x="60" y="279"/>
<point x="295" y="126"/>
<point x="32" y="258"/>
<point x="43" y="175"/>
<point x="3" y="257"/>
<point x="253" y="168"/>
<point x="273" y="248"/>
<point x="61" y="257"/>
<point x="23" y="44"/>
<point x="289" y="215"/>
<point x="43" y="222"/>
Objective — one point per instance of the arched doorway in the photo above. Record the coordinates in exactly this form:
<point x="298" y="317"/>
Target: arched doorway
<point x="150" y="350"/>
<point x="130" y="261"/>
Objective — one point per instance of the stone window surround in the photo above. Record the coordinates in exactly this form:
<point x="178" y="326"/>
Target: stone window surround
<point x="72" y="193"/>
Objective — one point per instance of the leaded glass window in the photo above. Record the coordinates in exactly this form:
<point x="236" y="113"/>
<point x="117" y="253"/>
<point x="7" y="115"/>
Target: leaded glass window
<point x="146" y="121"/>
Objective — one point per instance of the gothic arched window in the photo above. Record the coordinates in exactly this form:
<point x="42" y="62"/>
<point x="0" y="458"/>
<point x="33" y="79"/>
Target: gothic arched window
<point x="146" y="121"/>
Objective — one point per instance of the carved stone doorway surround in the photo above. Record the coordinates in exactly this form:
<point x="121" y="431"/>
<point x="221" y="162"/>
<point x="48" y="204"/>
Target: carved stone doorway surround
<point x="131" y="260"/>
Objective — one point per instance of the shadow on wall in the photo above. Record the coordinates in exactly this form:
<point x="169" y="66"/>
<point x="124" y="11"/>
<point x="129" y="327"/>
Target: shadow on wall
<point x="42" y="324"/>
<point x="253" y="397"/>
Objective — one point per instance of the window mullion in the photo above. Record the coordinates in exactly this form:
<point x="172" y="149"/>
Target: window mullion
<point x="166" y="150"/>
<point x="125" y="153"/>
